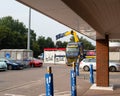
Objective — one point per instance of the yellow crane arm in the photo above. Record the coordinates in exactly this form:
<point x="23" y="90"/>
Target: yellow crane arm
<point x="73" y="33"/>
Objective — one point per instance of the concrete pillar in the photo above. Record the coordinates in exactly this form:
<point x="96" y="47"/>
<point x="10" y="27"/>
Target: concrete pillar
<point x="102" y="57"/>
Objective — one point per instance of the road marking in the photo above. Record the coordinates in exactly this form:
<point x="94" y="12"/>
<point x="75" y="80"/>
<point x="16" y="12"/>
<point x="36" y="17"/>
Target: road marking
<point x="63" y="93"/>
<point x="23" y="85"/>
<point x="13" y="95"/>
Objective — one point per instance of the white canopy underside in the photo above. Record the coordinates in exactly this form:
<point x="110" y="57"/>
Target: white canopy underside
<point x="103" y="16"/>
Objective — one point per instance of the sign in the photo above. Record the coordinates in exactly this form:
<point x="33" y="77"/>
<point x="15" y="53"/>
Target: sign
<point x="59" y="57"/>
<point x="73" y="83"/>
<point x="49" y="56"/>
<point x="7" y="55"/>
<point x="59" y="36"/>
<point x="49" y="84"/>
<point x="55" y="55"/>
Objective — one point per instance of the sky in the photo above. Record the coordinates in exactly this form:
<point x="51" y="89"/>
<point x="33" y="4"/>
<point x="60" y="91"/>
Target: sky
<point x="41" y="24"/>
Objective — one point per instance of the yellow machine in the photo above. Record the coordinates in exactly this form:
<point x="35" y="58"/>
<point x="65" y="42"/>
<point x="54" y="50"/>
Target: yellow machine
<point x="74" y="50"/>
<point x="72" y="33"/>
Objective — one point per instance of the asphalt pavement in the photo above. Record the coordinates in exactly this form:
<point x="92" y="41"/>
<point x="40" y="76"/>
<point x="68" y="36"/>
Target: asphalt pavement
<point x="84" y="87"/>
<point x="31" y="82"/>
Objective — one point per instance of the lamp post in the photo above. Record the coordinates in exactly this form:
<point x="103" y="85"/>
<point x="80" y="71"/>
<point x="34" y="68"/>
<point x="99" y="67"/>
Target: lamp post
<point x="28" y="39"/>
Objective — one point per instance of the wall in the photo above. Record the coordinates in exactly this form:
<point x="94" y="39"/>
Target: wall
<point x="54" y="55"/>
<point x="16" y="54"/>
<point x="114" y="56"/>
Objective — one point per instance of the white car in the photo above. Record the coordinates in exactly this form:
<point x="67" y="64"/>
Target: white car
<point x="41" y="56"/>
<point x="3" y="66"/>
<point x="85" y="65"/>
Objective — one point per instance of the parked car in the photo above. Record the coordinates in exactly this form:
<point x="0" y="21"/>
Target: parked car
<point x="12" y="64"/>
<point x="3" y="66"/>
<point x="85" y="65"/>
<point x="41" y="56"/>
<point x="35" y="62"/>
<point x="24" y="62"/>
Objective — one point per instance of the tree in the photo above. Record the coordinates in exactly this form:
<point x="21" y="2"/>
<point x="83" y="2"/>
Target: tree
<point x="35" y="48"/>
<point x="87" y="45"/>
<point x="49" y="42"/>
<point x="64" y="44"/>
<point x="41" y="42"/>
<point x="14" y="34"/>
<point x="14" y="25"/>
<point x="60" y="44"/>
<point x="4" y="32"/>
<point x="44" y="43"/>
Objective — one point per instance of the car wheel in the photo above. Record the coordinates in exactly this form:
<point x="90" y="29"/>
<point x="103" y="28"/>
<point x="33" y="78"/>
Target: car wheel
<point x="10" y="67"/>
<point x="86" y="68"/>
<point x="112" y="69"/>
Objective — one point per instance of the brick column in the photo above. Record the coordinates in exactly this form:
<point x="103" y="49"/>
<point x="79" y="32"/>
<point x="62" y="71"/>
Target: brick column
<point x="102" y="57"/>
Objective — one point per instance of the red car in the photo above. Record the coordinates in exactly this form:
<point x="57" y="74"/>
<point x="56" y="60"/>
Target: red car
<point x="35" y="63"/>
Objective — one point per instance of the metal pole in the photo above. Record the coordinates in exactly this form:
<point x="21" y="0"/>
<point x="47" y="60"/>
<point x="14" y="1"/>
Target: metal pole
<point x="28" y="40"/>
<point x="73" y="81"/>
<point x="91" y="74"/>
<point x="49" y="82"/>
<point x="77" y="67"/>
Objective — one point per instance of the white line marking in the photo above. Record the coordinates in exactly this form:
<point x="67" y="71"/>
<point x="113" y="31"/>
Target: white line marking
<point x="63" y="93"/>
<point x="13" y="95"/>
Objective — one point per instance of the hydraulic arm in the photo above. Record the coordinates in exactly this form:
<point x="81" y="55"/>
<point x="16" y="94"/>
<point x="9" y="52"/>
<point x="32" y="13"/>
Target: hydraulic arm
<point x="68" y="33"/>
<point x="74" y="50"/>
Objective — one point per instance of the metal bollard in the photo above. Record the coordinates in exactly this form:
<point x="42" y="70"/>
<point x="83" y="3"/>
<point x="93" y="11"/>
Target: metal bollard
<point x="91" y="74"/>
<point x="77" y="69"/>
<point x="73" y="81"/>
<point x="49" y="82"/>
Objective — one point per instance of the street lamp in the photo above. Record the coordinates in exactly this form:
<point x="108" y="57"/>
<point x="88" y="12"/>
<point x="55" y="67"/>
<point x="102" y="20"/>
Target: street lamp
<point x="28" y="40"/>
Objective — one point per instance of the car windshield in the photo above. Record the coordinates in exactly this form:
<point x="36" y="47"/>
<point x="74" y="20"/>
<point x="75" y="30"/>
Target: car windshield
<point x="1" y="60"/>
<point x="11" y="60"/>
<point x="90" y="60"/>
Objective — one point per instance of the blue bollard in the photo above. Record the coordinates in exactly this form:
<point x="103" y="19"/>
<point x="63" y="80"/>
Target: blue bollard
<point x="49" y="83"/>
<point x="77" y="69"/>
<point x="91" y="74"/>
<point x="73" y="81"/>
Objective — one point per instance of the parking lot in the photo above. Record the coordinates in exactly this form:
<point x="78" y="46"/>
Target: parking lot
<point x="31" y="82"/>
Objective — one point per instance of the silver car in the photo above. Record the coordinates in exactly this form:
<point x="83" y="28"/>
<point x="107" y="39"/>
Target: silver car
<point x="3" y="66"/>
<point x="85" y="65"/>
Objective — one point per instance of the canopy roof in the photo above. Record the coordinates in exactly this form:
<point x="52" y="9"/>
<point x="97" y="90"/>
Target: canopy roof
<point x="102" y="16"/>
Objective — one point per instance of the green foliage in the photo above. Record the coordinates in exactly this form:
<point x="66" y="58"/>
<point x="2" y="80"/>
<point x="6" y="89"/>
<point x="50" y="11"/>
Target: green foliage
<point x="60" y="44"/>
<point x="13" y="35"/>
<point x="50" y="43"/>
<point x="14" y="25"/>
<point x="44" y="43"/>
<point x="87" y="45"/>
<point x="35" y="48"/>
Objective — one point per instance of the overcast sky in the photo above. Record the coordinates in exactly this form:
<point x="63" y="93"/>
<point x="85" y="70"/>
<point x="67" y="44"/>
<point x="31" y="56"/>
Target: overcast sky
<point x="41" y="24"/>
